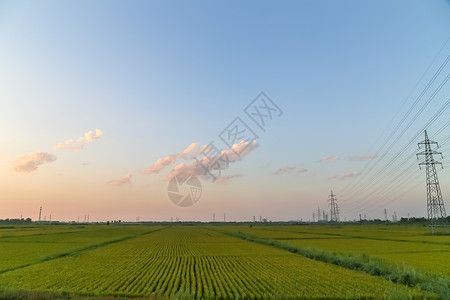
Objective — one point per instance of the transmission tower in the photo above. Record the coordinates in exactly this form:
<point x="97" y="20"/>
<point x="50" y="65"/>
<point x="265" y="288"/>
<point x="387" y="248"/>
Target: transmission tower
<point x="334" y="208"/>
<point x="435" y="204"/>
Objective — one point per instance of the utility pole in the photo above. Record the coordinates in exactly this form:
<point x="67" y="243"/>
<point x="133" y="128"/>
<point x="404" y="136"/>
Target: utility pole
<point x="318" y="214"/>
<point x="435" y="203"/>
<point x="314" y="216"/>
<point x="385" y="215"/>
<point x="40" y="213"/>
<point x="334" y="208"/>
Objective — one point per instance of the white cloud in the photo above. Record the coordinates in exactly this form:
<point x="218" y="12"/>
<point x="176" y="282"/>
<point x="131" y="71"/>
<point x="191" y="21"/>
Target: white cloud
<point x="121" y="181"/>
<point x="30" y="162"/>
<point x="197" y="167"/>
<point x="160" y="164"/>
<point x="191" y="151"/>
<point x="81" y="142"/>
<point x="329" y="158"/>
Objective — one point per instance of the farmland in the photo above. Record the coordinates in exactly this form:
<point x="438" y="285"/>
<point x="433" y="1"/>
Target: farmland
<point x="222" y="262"/>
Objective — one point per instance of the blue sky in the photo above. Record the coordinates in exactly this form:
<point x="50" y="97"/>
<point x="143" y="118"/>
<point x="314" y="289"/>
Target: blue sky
<point x="156" y="76"/>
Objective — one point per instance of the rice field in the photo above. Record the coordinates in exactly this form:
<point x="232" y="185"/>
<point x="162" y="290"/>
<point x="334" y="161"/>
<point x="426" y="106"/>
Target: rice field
<point x="409" y="245"/>
<point x="205" y="262"/>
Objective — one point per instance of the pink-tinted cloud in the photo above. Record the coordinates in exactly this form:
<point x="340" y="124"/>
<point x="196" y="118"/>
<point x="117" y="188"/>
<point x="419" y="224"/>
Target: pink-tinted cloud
<point x="81" y="142"/>
<point x="333" y="177"/>
<point x="300" y="171"/>
<point x="329" y="158"/>
<point x="121" y="181"/>
<point x="364" y="157"/>
<point x="191" y="151"/>
<point x="160" y="164"/>
<point x="240" y="150"/>
<point x="30" y="162"/>
<point x="201" y="166"/>
<point x="226" y="179"/>
<point x="350" y="175"/>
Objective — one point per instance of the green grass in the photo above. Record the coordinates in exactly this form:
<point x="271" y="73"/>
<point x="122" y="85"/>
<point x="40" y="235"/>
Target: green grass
<point x="197" y="262"/>
<point x="407" y="245"/>
<point x="216" y="262"/>
<point x="396" y="273"/>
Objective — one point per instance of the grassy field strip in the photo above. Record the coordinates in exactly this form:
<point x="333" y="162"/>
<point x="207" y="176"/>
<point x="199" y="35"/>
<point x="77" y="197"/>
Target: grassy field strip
<point x="15" y="234"/>
<point x="340" y="235"/>
<point x="74" y="252"/>
<point x="46" y="236"/>
<point x="374" y="266"/>
<point x="196" y="262"/>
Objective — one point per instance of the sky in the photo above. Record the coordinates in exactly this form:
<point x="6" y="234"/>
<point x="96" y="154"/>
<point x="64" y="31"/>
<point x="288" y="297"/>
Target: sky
<point x="104" y="103"/>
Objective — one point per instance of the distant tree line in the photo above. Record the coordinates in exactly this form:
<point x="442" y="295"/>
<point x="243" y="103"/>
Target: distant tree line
<point x="15" y="221"/>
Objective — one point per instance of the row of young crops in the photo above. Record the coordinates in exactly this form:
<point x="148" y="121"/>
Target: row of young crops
<point x="200" y="263"/>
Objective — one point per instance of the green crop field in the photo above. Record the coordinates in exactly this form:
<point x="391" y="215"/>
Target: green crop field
<point x="408" y="245"/>
<point x="224" y="262"/>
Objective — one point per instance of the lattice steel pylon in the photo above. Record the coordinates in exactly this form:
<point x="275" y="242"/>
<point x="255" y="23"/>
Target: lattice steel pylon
<point x="334" y="208"/>
<point x="435" y="203"/>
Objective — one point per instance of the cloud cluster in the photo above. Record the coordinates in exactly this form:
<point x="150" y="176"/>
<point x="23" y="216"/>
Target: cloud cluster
<point x="121" y="181"/>
<point x="80" y="142"/>
<point x="30" y="162"/>
<point x="189" y="153"/>
<point x="329" y="158"/>
<point x="160" y="164"/>
<point x="193" y="150"/>
<point x="289" y="170"/>
<point x="202" y="167"/>
<point x="202" y="163"/>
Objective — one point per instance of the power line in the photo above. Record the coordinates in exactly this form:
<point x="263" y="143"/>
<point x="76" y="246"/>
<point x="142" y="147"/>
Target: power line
<point x="349" y="187"/>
